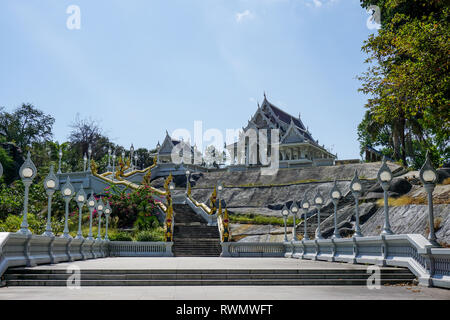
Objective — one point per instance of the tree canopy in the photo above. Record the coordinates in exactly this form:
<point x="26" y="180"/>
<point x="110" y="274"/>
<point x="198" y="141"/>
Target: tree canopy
<point x="408" y="81"/>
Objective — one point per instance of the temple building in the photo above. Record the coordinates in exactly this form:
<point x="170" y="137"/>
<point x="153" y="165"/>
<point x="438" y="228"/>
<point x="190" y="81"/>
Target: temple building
<point x="297" y="147"/>
<point x="164" y="150"/>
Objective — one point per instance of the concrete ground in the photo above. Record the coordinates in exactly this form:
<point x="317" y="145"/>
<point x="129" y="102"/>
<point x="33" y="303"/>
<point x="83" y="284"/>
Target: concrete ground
<point x="218" y="292"/>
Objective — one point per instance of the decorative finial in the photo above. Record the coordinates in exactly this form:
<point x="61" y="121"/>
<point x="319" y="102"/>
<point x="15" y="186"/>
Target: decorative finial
<point x="265" y="95"/>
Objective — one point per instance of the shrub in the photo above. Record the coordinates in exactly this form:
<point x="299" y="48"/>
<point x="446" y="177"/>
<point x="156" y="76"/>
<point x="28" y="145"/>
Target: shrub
<point x="153" y="235"/>
<point x="120" y="236"/>
<point x="128" y="207"/>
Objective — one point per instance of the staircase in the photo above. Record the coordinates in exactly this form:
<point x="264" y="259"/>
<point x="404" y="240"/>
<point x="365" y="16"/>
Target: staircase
<point x="204" y="277"/>
<point x="192" y="236"/>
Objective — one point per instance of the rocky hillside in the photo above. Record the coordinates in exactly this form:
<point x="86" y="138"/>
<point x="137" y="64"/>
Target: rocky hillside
<point x="251" y="192"/>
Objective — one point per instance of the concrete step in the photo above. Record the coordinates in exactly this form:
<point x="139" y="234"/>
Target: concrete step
<point x="234" y="282"/>
<point x="184" y="277"/>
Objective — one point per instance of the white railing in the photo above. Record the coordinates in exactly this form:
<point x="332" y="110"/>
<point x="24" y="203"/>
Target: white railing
<point x="253" y="249"/>
<point x="140" y="249"/>
<point x="430" y="264"/>
<point x="17" y="250"/>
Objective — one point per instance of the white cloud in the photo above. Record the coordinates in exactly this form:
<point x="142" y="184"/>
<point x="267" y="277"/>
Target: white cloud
<point x="240" y="16"/>
<point x="317" y="3"/>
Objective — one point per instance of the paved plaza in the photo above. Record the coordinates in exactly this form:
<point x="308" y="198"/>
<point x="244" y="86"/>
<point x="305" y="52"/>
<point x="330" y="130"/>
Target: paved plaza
<point x="395" y="292"/>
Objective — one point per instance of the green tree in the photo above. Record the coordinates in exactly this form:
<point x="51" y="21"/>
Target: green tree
<point x="408" y="80"/>
<point x="26" y="125"/>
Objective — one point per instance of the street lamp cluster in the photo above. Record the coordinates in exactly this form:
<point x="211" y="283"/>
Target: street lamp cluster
<point x="428" y="176"/>
<point x="28" y="172"/>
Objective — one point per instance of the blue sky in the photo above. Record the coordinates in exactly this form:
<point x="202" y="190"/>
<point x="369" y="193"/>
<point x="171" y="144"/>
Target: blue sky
<point x="140" y="67"/>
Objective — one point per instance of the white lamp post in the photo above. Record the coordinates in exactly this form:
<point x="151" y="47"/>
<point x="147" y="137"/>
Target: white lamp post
<point x="67" y="192"/>
<point x="81" y="200"/>
<point x="114" y="165"/>
<point x="60" y="154"/>
<point x="92" y="204"/>
<point x="356" y="188"/>
<point x="51" y="184"/>
<point x="285" y="213"/>
<point x="305" y="207"/>
<point x="294" y="211"/>
<point x="219" y="189"/>
<point x="428" y="176"/>
<point x="384" y="178"/>
<point x="109" y="159"/>
<point x="107" y="213"/>
<point x="318" y="201"/>
<point x="335" y="195"/>
<point x="187" y="181"/>
<point x="89" y="158"/>
<point x="135" y="161"/>
<point x="84" y="162"/>
<point x="100" y="208"/>
<point x="27" y="172"/>
<point x="131" y="157"/>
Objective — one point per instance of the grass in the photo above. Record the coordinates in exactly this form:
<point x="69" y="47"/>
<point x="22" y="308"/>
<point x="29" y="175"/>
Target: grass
<point x="407" y="200"/>
<point x="251" y="218"/>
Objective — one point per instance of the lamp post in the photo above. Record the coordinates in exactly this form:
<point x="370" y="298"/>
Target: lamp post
<point x="187" y="181"/>
<point x="285" y="213"/>
<point x="384" y="177"/>
<point x="67" y="192"/>
<point x="100" y="208"/>
<point x="294" y="210"/>
<point x="305" y="207"/>
<point x="60" y="154"/>
<point x="318" y="201"/>
<point x="109" y="159"/>
<point x="219" y="189"/>
<point x="114" y="165"/>
<point x="27" y="172"/>
<point x="107" y="213"/>
<point x="51" y="184"/>
<point x="84" y="162"/>
<point x="356" y="188"/>
<point x="171" y="186"/>
<point x="131" y="157"/>
<point x="81" y="200"/>
<point x="92" y="204"/>
<point x="89" y="158"/>
<point x="135" y="161"/>
<point x="428" y="177"/>
<point x="335" y="195"/>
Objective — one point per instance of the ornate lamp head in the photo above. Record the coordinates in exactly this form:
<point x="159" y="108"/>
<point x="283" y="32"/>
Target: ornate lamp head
<point x="172" y="186"/>
<point x="335" y="193"/>
<point x="294" y="208"/>
<point x="100" y="206"/>
<point x="81" y="197"/>
<point x="67" y="190"/>
<point x="305" y="202"/>
<point x="28" y="170"/>
<point x="219" y="186"/>
<point x="428" y="174"/>
<point x="318" y="199"/>
<point x="384" y="174"/>
<point x="92" y="202"/>
<point x="285" y="211"/>
<point x="108" y="210"/>
<point x="355" y="185"/>
<point x="51" y="182"/>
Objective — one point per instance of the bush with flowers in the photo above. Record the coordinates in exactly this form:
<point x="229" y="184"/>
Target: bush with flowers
<point x="133" y="208"/>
